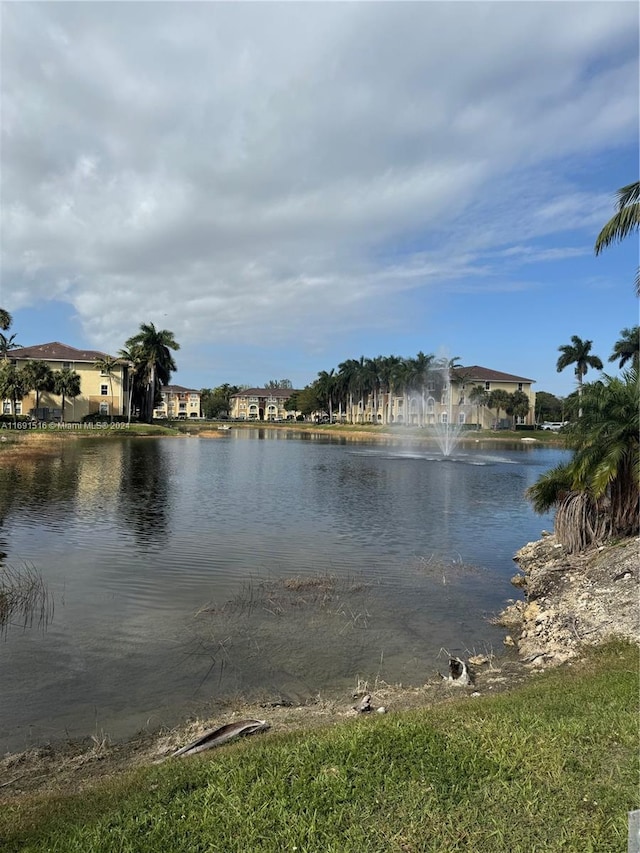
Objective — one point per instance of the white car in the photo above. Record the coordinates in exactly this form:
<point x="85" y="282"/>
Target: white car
<point x="554" y="426"/>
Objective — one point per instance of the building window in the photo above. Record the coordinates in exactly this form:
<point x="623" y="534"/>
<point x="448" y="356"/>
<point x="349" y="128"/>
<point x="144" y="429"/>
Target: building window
<point x="104" y="390"/>
<point x="104" y="408"/>
<point x="519" y="386"/>
<point x="193" y="396"/>
<point x="461" y="418"/>
<point x="182" y="407"/>
<point x="66" y="365"/>
<point x="487" y="386"/>
<point x="104" y="373"/>
<point x="6" y="407"/>
<point x="444" y="418"/>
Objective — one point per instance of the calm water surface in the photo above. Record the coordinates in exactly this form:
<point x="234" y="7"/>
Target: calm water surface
<point x="260" y="563"/>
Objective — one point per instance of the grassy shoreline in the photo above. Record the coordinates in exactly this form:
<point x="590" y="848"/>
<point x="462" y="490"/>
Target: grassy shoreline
<point x="11" y="438"/>
<point x="550" y="765"/>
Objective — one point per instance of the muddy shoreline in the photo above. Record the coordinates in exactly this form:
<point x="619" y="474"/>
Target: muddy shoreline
<point x="64" y="767"/>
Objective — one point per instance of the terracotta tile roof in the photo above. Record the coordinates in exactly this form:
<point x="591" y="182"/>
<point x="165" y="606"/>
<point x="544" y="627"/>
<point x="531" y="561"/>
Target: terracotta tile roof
<point x="283" y="393"/>
<point x="178" y="389"/>
<point x="485" y="374"/>
<point x="55" y="351"/>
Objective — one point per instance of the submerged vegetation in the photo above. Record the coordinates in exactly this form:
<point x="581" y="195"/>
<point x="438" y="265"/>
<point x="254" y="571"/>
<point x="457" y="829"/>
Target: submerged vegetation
<point x="23" y="598"/>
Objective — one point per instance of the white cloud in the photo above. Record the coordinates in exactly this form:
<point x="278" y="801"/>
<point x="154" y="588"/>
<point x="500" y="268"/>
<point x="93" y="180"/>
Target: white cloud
<point x="242" y="167"/>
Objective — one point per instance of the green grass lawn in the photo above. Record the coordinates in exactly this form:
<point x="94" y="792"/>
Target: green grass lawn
<point x="550" y="766"/>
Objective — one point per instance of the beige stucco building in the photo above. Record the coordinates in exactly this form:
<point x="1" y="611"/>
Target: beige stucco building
<point x="101" y="392"/>
<point x="178" y="402"/>
<point x="446" y="400"/>
<point x="262" y="404"/>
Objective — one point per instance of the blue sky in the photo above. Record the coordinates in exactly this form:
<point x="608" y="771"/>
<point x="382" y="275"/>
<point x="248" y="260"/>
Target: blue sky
<point x="288" y="185"/>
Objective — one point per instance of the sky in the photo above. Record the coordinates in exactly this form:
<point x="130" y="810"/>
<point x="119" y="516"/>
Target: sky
<point x="288" y="185"/>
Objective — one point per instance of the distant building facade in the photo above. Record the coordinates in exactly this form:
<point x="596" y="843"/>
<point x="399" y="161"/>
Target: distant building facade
<point x="101" y="393"/>
<point x="441" y="401"/>
<point x="178" y="403"/>
<point x="262" y="404"/>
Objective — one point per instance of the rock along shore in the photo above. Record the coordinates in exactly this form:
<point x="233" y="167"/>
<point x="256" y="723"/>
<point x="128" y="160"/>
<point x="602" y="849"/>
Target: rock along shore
<point x="573" y="599"/>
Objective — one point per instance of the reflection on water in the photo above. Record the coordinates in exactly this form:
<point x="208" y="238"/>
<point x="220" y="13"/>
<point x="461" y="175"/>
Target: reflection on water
<point x="135" y="537"/>
<point x="145" y="497"/>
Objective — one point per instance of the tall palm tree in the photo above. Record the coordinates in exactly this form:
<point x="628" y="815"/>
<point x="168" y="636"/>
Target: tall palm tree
<point x="363" y="383"/>
<point x="107" y="367"/>
<point x="518" y="406"/>
<point x="39" y="378"/>
<point x="404" y="378"/>
<point x="133" y="361"/>
<point x="66" y="383"/>
<point x="7" y="343"/>
<point x="348" y="371"/>
<point x="13" y="386"/>
<point x="326" y="386"/>
<point x="624" y="222"/>
<point x="152" y="348"/>
<point x="420" y="368"/>
<point x="499" y="400"/>
<point x="479" y="396"/>
<point x="596" y="493"/>
<point x="388" y="375"/>
<point x="627" y="348"/>
<point x="5" y="319"/>
<point x="578" y="352"/>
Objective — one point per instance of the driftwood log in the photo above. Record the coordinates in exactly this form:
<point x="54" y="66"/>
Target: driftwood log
<point x="223" y="734"/>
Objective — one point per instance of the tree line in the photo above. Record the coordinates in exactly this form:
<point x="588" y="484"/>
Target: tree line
<point x="345" y="391"/>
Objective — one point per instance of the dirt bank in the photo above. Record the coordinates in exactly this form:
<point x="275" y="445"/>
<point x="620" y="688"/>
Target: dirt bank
<point x="69" y="766"/>
<point x="572" y="599"/>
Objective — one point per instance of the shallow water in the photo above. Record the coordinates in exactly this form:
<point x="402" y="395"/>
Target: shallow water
<point x="404" y="554"/>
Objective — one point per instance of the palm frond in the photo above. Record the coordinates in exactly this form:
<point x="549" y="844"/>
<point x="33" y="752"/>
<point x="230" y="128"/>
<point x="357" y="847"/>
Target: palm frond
<point x="628" y="195"/>
<point x="623" y="223"/>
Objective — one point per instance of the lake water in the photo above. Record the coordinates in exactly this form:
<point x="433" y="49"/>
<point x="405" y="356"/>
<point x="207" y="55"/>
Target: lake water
<point x="259" y="563"/>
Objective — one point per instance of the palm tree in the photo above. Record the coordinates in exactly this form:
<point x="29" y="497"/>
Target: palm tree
<point x="388" y="375"/>
<point x="107" y="367"/>
<point x="518" y="406"/>
<point x="13" y="386"/>
<point x="151" y="348"/>
<point x="66" y="383"/>
<point x="499" y="400"/>
<point x="578" y="353"/>
<point x="347" y="371"/>
<point x="134" y="366"/>
<point x="627" y="348"/>
<point x="421" y="367"/>
<point x="480" y="397"/>
<point x="326" y="386"/>
<point x="596" y="493"/>
<point x="363" y="383"/>
<point x="7" y="344"/>
<point x="625" y="221"/>
<point x="5" y="320"/>
<point x="39" y="378"/>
